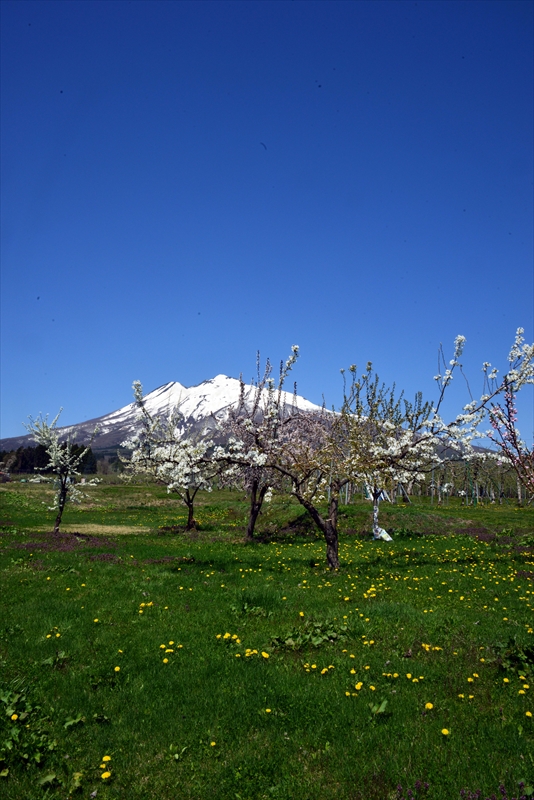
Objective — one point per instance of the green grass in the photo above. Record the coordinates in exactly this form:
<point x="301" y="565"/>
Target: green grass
<point x="452" y="611"/>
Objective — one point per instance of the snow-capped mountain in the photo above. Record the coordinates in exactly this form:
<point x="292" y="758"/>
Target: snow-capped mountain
<point x="200" y="405"/>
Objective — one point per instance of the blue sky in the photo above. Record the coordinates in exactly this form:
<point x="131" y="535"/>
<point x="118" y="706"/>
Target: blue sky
<point x="185" y="183"/>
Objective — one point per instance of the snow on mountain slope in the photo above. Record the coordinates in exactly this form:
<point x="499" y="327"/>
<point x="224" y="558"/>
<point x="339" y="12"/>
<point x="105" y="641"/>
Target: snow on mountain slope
<point x="212" y="398"/>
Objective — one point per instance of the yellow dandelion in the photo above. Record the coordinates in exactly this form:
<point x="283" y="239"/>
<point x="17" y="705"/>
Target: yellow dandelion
<point x="106" y="758"/>
<point x="267" y="710"/>
<point x="105" y="775"/>
<point x="429" y="706"/>
<point x="117" y="669"/>
<point x="165" y="660"/>
<point x="445" y="731"/>
<point x="264" y="654"/>
<point x="528" y="713"/>
<point x="212" y="744"/>
<point x="14" y="717"/>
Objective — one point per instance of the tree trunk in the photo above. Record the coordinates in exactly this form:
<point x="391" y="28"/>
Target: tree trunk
<point x="189" y="500"/>
<point x="376" y="503"/>
<point x="61" y="500"/>
<point x="256" y="501"/>
<point x="328" y="527"/>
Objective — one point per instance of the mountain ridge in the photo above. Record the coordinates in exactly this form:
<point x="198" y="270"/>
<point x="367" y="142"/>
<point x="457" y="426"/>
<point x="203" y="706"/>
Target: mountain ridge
<point x="209" y="400"/>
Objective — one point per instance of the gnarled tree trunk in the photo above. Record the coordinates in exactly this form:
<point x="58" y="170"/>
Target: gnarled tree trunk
<point x="256" y="502"/>
<point x="328" y="527"/>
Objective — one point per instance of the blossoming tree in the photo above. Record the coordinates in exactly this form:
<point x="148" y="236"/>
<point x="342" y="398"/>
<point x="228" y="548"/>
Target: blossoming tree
<point x="163" y="450"/>
<point x="64" y="460"/>
<point x="251" y="431"/>
<point x="501" y="402"/>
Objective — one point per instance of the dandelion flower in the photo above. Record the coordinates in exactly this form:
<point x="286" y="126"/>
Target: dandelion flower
<point x="117" y="669"/>
<point x="95" y="620"/>
<point x="162" y="647"/>
<point x="429" y="706"/>
<point x="267" y="710"/>
<point x="445" y="731"/>
<point x="301" y="613"/>
<point x="358" y="686"/>
<point x="105" y="775"/>
<point x="264" y="654"/>
<point x="14" y="717"/>
<point x="409" y="675"/>
<point x="165" y="660"/>
<point x="212" y="744"/>
<point x="528" y="713"/>
<point x="106" y="758"/>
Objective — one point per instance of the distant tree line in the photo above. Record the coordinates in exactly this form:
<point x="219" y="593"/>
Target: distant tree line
<point x="28" y="460"/>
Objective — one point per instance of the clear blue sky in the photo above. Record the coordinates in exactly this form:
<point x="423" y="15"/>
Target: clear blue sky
<point x="184" y="183"/>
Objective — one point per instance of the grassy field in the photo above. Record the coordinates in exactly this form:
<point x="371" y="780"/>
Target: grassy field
<point x="141" y="662"/>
